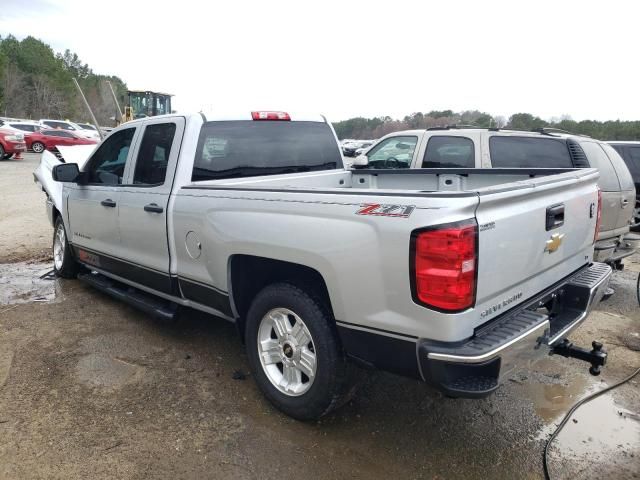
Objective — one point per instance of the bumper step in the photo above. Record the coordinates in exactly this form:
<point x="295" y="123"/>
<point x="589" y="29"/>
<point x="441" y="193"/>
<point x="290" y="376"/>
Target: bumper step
<point x="473" y="368"/>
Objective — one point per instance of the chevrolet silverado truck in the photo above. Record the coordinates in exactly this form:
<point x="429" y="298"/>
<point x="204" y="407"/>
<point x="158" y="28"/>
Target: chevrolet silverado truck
<point x="455" y="277"/>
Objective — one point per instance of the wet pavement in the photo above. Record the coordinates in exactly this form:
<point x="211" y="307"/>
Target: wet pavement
<point x="25" y="282"/>
<point x="91" y="388"/>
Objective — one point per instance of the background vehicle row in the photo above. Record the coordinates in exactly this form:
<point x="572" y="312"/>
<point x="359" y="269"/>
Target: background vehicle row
<point x="486" y="148"/>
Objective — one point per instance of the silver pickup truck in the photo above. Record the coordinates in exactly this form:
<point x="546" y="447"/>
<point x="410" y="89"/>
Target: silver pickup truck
<point x="452" y="276"/>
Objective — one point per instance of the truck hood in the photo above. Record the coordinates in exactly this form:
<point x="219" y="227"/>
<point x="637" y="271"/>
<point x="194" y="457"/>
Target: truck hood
<point x="76" y="154"/>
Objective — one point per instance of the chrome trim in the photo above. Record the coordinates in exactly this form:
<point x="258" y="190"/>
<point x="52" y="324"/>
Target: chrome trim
<point x="540" y="332"/>
<point x="595" y="295"/>
<point x="537" y="331"/>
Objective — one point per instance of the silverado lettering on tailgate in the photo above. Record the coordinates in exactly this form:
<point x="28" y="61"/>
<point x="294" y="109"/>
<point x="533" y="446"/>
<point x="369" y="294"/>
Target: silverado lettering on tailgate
<point x="499" y="306"/>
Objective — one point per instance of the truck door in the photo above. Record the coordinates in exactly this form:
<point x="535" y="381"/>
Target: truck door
<point x="144" y="201"/>
<point x="93" y="206"/>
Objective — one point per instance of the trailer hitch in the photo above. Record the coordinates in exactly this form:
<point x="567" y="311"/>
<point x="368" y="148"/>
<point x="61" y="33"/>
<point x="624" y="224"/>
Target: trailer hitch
<point x="597" y="357"/>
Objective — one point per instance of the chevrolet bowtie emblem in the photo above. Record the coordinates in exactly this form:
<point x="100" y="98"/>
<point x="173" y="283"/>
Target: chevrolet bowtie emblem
<point x="554" y="243"/>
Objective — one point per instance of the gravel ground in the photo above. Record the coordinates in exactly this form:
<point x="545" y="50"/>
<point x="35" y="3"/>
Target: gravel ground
<point x="25" y="232"/>
<point x="90" y="388"/>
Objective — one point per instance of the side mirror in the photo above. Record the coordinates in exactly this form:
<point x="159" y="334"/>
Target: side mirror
<point x="66" y="172"/>
<point x="361" y="161"/>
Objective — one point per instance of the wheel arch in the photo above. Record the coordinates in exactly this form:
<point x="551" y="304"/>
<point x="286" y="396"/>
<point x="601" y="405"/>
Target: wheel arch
<point x="248" y="274"/>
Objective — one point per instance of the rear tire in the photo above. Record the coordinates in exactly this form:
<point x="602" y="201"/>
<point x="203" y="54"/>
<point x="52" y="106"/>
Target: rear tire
<point x="64" y="265"/>
<point x="636" y="217"/>
<point x="37" y="147"/>
<point x="295" y="352"/>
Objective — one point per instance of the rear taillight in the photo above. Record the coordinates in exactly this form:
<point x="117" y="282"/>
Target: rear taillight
<point x="598" y="216"/>
<point x="444" y="262"/>
<point x="270" y="116"/>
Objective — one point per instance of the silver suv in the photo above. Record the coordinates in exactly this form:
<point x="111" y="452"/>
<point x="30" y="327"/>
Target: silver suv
<point x="453" y="147"/>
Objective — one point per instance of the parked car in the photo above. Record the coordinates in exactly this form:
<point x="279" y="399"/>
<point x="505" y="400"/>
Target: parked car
<point x="11" y="142"/>
<point x="27" y="127"/>
<point x="349" y="149"/>
<point x="630" y="153"/>
<point x="449" y="147"/>
<point x="69" y="126"/>
<point x="49" y="139"/>
<point x="452" y="280"/>
<point x="88" y="130"/>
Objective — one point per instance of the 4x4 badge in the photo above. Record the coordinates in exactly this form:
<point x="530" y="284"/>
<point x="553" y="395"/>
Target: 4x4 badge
<point x="554" y="243"/>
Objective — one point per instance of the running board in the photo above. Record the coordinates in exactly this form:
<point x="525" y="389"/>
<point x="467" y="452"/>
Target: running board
<point x="160" y="309"/>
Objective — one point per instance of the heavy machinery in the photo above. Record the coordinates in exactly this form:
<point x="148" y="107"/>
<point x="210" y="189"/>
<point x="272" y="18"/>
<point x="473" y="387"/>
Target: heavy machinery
<point x="142" y="103"/>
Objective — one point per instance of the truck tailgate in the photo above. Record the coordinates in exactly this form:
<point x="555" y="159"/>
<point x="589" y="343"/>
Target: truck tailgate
<point x="532" y="237"/>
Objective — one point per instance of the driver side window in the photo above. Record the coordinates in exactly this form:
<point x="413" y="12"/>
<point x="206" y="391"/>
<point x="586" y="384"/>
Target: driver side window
<point x="394" y="152"/>
<point x="107" y="164"/>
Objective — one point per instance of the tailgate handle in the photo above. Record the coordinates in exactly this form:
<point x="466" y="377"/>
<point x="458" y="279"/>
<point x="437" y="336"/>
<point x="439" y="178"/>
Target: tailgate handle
<point x="555" y="216"/>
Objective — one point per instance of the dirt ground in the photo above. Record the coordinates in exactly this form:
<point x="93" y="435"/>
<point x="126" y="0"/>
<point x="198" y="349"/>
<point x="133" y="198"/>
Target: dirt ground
<point x="23" y="233"/>
<point x="91" y="388"/>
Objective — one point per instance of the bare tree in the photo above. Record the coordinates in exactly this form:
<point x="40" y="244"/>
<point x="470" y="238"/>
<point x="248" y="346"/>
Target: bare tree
<point x="48" y="101"/>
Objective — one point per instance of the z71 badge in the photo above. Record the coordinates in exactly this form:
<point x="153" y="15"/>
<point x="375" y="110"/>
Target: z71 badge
<point x="386" y="210"/>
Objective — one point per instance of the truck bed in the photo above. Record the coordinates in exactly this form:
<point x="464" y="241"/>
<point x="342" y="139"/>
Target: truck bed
<point x="355" y="227"/>
<point x="403" y="182"/>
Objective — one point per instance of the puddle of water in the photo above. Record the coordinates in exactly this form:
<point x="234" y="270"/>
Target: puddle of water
<point x="598" y="429"/>
<point x="552" y="400"/>
<point x="21" y="283"/>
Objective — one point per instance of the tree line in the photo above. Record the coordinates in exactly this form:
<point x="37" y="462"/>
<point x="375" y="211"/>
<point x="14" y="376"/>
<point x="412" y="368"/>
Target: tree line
<point x="371" y="128"/>
<point x="36" y="82"/>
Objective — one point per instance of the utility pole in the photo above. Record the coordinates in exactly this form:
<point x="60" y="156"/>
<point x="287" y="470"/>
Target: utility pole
<point x="115" y="99"/>
<point x="93" y="117"/>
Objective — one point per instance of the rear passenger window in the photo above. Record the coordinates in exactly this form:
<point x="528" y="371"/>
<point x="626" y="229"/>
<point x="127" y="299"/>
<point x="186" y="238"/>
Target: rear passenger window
<point x="153" y="156"/>
<point x="449" y="152"/>
<point x="529" y="152"/>
<point x="608" y="180"/>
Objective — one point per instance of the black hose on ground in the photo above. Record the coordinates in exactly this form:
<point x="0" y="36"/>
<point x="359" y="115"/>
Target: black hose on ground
<point x="575" y="407"/>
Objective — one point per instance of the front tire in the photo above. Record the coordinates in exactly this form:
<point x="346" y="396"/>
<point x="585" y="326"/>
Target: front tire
<point x="295" y="352"/>
<point x="64" y="265"/>
<point x="37" y="147"/>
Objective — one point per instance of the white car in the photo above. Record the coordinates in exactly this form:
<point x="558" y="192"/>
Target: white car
<point x="25" y="127"/>
<point x="88" y="130"/>
<point x="66" y="125"/>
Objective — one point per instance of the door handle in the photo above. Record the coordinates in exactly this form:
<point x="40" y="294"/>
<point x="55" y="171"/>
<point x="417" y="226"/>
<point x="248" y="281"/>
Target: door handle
<point x="625" y="202"/>
<point x="108" y="203"/>
<point x="153" y="208"/>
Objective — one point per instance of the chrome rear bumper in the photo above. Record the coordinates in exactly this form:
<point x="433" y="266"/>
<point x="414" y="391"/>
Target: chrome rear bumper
<point x="516" y="339"/>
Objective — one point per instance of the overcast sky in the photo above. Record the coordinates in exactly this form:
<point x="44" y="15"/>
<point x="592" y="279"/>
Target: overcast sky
<point x="350" y="58"/>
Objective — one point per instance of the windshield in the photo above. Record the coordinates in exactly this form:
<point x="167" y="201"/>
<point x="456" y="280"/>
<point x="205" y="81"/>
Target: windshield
<point x="249" y="148"/>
